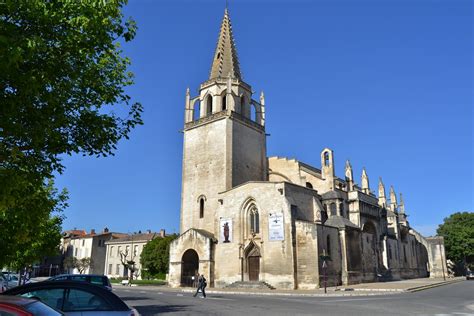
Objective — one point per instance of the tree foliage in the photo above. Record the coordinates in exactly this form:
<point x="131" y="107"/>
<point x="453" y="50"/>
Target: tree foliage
<point x="30" y="222"/>
<point x="458" y="233"/>
<point x="155" y="256"/>
<point x="62" y="91"/>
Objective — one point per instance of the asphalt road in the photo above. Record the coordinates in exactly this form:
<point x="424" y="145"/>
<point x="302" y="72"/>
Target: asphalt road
<point x="452" y="299"/>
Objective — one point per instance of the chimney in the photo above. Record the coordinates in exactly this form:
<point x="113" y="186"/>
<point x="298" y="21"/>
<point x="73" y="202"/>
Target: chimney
<point x="106" y="230"/>
<point x="92" y="231"/>
<point x="162" y="233"/>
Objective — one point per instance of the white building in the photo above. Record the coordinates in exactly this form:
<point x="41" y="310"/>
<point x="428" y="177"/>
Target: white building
<point x="127" y="248"/>
<point x="90" y="245"/>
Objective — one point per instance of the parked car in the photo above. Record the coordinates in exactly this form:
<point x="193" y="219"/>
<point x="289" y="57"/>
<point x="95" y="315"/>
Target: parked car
<point x="12" y="279"/>
<point x="97" y="279"/>
<point x="75" y="298"/>
<point x="470" y="275"/>
<point x="22" y="306"/>
<point x="3" y="283"/>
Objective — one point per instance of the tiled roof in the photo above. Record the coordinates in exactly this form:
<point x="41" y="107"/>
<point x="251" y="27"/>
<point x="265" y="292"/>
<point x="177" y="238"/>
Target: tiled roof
<point x="134" y="237"/>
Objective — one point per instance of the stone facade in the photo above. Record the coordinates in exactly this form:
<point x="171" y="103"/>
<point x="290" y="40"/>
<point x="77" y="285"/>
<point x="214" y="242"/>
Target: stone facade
<point x="246" y="217"/>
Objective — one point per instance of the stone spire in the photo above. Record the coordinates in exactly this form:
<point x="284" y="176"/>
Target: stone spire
<point x="349" y="175"/>
<point x="402" y="205"/>
<point x="382" y="198"/>
<point x="225" y="63"/>
<point x="365" y="182"/>
<point x="393" y="199"/>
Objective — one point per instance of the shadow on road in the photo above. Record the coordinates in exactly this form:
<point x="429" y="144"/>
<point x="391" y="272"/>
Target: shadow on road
<point x="156" y="309"/>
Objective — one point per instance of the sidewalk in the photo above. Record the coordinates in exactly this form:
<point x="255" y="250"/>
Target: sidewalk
<point x="365" y="289"/>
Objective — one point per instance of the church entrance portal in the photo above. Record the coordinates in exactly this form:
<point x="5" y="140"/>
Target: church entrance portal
<point x="253" y="262"/>
<point x="254" y="268"/>
<point x="189" y="267"/>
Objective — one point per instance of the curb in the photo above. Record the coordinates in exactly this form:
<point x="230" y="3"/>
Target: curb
<point x="374" y="293"/>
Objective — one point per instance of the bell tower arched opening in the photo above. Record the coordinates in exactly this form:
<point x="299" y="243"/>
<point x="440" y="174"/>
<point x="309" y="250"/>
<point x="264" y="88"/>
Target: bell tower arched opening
<point x="189" y="267"/>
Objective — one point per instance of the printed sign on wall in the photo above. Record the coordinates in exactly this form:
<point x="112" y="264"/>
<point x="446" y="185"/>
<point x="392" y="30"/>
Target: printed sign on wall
<point x="226" y="230"/>
<point x="275" y="227"/>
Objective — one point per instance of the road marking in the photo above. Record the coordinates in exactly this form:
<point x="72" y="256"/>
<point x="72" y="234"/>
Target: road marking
<point x="142" y="291"/>
<point x="160" y="293"/>
<point x="179" y="294"/>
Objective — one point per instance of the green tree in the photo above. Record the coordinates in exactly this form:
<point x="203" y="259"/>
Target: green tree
<point x="458" y="233"/>
<point x="156" y="255"/>
<point x="30" y="223"/>
<point x="62" y="91"/>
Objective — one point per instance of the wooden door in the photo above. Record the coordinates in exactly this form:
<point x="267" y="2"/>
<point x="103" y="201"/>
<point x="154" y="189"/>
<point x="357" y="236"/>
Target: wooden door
<point x="254" y="268"/>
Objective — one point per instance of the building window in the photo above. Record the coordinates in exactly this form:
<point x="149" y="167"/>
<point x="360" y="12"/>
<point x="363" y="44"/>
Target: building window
<point x="110" y="268"/>
<point x="75" y="252"/>
<point x="83" y="242"/>
<point x="135" y="251"/>
<point x="224" y="103"/>
<point x="117" y="269"/>
<point x="333" y="209"/>
<point x="309" y="185"/>
<point x="111" y="253"/>
<point x="127" y="250"/>
<point x="341" y="209"/>
<point x="118" y="251"/>
<point x="242" y="106"/>
<point x="201" y="207"/>
<point x="254" y="221"/>
<point x="209" y="105"/>
<point x="390" y="252"/>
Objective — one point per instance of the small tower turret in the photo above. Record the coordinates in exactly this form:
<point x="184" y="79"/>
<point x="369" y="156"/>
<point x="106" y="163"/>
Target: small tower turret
<point x="327" y="167"/>
<point x="393" y="200"/>
<point x="365" y="182"/>
<point x="382" y="198"/>
<point x="349" y="176"/>
<point x="402" y="214"/>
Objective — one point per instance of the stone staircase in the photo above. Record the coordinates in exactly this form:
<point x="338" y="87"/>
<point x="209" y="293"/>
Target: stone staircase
<point x="250" y="285"/>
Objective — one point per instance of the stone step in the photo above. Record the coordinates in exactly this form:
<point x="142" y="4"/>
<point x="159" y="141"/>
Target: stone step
<point x="250" y="285"/>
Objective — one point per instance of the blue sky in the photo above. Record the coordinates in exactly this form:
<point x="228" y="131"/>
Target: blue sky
<point x="386" y="84"/>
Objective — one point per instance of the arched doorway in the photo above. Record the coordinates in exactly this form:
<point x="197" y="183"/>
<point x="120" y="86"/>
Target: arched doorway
<point x="252" y="256"/>
<point x="189" y="267"/>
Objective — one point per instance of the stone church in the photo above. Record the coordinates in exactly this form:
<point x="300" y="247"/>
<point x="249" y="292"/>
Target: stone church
<point x="246" y="217"/>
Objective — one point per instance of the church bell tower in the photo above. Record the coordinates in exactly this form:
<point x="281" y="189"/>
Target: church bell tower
<point x="224" y="137"/>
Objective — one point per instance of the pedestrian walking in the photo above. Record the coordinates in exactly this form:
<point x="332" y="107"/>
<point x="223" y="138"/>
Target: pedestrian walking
<point x="201" y="286"/>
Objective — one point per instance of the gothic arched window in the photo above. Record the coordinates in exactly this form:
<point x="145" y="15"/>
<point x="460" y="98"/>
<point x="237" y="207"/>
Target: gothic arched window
<point x="224" y="103"/>
<point x="333" y="209"/>
<point x="209" y="105"/>
<point x="309" y="185"/>
<point x="201" y="207"/>
<point x="243" y="105"/>
<point x="254" y="221"/>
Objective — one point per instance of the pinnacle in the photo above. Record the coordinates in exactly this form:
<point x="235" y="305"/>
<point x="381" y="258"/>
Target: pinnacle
<point x="225" y="63"/>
